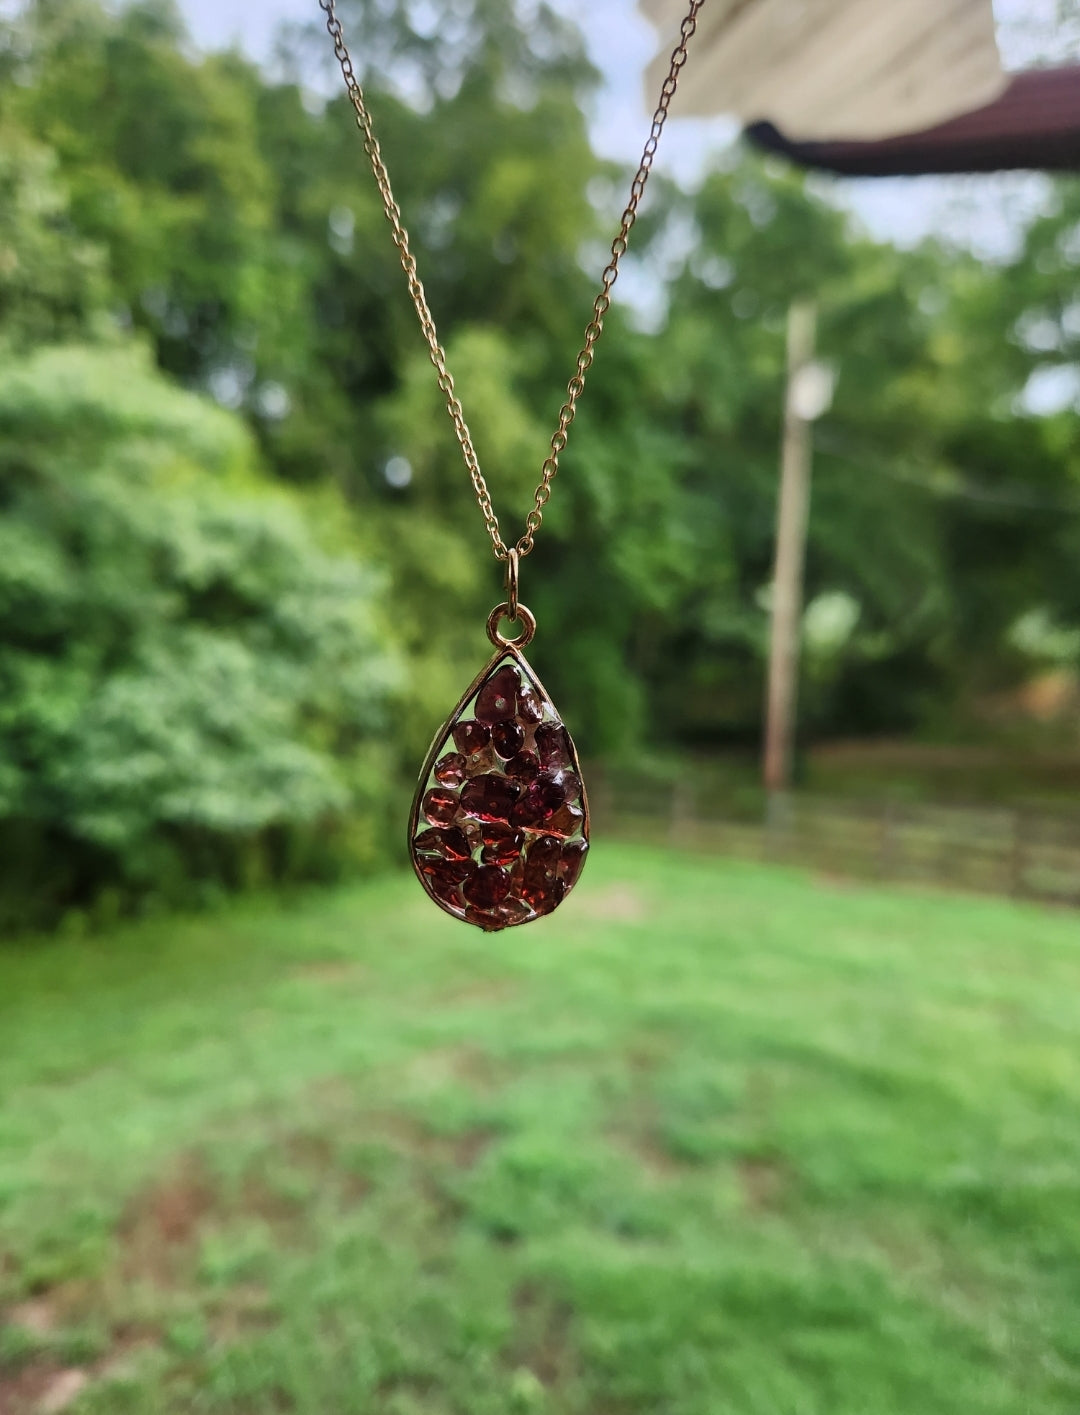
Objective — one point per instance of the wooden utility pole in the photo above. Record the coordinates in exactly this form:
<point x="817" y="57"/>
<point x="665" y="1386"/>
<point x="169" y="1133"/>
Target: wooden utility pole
<point x="787" y="590"/>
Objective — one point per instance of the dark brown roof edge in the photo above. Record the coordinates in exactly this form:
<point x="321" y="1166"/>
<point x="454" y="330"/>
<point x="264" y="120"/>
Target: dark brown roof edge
<point x="1034" y="124"/>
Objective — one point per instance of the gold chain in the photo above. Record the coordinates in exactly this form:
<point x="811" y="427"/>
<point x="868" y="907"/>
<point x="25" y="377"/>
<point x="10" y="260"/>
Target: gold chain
<point x="601" y="304"/>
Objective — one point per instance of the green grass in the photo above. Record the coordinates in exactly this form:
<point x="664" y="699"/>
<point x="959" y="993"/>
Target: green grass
<point x="715" y="1140"/>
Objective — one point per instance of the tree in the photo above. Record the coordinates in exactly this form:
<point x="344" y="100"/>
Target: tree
<point x="52" y="281"/>
<point x="195" y="675"/>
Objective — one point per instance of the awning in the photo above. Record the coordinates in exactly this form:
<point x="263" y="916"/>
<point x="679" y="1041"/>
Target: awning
<point x="861" y="69"/>
<point x="1034" y="124"/>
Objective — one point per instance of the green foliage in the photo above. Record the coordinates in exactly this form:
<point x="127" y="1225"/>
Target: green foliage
<point x="195" y="676"/>
<point x="727" y="1139"/>
<point x="51" y="278"/>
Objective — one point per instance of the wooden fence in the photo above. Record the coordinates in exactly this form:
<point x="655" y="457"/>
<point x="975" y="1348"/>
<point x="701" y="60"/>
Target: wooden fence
<point x="1027" y="853"/>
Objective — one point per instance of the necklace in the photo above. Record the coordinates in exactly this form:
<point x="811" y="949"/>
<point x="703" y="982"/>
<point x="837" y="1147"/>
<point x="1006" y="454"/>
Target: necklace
<point x="499" y="827"/>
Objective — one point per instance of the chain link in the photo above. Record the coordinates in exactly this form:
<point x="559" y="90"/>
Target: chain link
<point x="601" y="304"/>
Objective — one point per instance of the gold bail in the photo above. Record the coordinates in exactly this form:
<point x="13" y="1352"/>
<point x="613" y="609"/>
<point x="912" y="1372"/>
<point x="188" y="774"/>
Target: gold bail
<point x="512" y="558"/>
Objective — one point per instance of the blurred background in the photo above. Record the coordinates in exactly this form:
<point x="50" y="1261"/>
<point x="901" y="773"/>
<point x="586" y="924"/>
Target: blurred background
<point x="779" y="1113"/>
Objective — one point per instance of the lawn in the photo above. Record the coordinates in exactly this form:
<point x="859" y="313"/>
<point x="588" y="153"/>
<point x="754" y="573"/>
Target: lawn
<point x="716" y="1139"/>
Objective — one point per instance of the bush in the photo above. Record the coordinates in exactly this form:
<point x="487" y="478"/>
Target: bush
<point x="194" y="678"/>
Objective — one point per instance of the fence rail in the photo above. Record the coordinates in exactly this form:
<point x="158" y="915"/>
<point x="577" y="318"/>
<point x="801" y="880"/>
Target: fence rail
<point x="1026" y="853"/>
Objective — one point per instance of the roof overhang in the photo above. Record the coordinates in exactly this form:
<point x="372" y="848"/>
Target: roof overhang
<point x="861" y="69"/>
<point x="1035" y="124"/>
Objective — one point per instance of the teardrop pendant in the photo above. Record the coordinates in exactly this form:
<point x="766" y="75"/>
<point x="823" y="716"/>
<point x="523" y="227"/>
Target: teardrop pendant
<point x="499" y="828"/>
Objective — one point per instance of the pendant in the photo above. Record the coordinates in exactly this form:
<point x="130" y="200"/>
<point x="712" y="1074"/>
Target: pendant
<point x="499" y="828"/>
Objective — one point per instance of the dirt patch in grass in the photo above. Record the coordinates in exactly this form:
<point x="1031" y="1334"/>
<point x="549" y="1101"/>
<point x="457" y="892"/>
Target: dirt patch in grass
<point x="50" y="1309"/>
<point x="313" y="1152"/>
<point x="308" y="1149"/>
<point x="38" y="1316"/>
<point x="647" y="1054"/>
<point x="162" y="1223"/>
<point x="652" y="1155"/>
<point x="42" y="1389"/>
<point x="162" y="1227"/>
<point x="439" y="1067"/>
<point x="468" y="1148"/>
<point x="241" y="1311"/>
<point x="411" y="1391"/>
<point x="542" y="1342"/>
<point x="22" y="1390"/>
<point x="459" y="1150"/>
<point x="282" y="1213"/>
<point x="40" y="1381"/>
<point x="342" y="1105"/>
<point x="764" y="1182"/>
<point x="331" y="1098"/>
<point x="639" y="1134"/>
<point x="44" y="1386"/>
<point x="438" y="1160"/>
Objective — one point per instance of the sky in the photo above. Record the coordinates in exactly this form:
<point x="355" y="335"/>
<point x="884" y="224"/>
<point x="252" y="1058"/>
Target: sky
<point x="982" y="213"/>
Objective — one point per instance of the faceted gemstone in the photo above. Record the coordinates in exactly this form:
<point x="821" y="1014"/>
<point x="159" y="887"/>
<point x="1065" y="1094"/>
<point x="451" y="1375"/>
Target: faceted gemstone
<point x="486" y="888"/>
<point x="451" y="844"/>
<point x="484" y="918"/>
<point x="489" y="797"/>
<point x="566" y="821"/>
<point x="573" y="857"/>
<point x="429" y="842"/>
<point x="529" y="709"/>
<point x="573" y="786"/>
<point x="456" y="844"/>
<point x="471" y="737"/>
<point x="541" y="885"/>
<point x="481" y="761"/>
<point x="540" y="800"/>
<point x="445" y="877"/>
<point x="543" y="894"/>
<point x="491" y="832"/>
<point x="440" y="806"/>
<point x="501" y="837"/>
<point x="523" y="767"/>
<point x="497" y="699"/>
<point x="507" y="738"/>
<point x="544" y="856"/>
<point x="553" y="746"/>
<point x="453" y="870"/>
<point x="450" y="770"/>
<point x="502" y="846"/>
<point x="513" y="911"/>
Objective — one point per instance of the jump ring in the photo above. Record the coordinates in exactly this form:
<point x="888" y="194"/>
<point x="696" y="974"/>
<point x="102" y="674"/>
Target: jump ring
<point x="525" y="618"/>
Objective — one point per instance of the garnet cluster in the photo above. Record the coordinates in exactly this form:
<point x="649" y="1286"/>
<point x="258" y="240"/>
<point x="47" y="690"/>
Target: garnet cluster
<point x="500" y="823"/>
